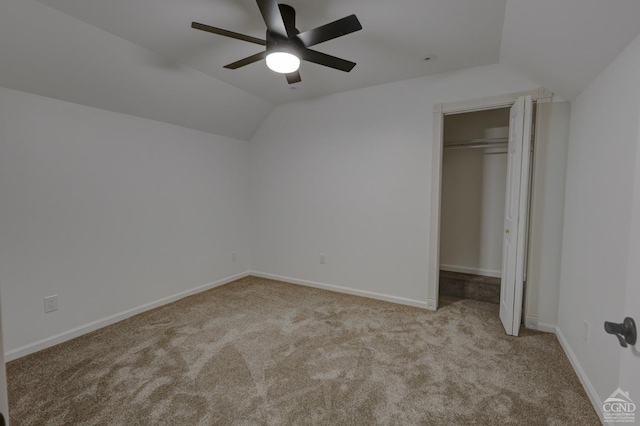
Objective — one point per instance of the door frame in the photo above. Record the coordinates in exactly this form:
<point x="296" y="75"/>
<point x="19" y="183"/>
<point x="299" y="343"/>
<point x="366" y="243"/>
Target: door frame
<point x="542" y="97"/>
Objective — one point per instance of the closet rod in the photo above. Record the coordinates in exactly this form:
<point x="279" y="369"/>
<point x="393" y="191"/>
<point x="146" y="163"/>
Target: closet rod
<point x="501" y="145"/>
<point x="477" y="143"/>
<point x="464" y="146"/>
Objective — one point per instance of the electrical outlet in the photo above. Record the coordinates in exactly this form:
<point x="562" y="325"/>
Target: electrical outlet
<point x="585" y="331"/>
<point x="50" y="303"/>
<point x="323" y="259"/>
<point x="234" y="256"/>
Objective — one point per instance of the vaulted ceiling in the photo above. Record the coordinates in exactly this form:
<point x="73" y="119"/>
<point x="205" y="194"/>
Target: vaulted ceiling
<point x="395" y="39"/>
<point x="564" y="44"/>
<point x="141" y="57"/>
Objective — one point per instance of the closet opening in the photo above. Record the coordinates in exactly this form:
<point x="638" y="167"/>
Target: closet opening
<point x="473" y="198"/>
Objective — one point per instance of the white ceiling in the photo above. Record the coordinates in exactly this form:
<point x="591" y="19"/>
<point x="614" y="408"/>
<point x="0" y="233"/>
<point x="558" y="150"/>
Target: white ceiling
<point x="141" y="57"/>
<point x="48" y="53"/>
<point x="565" y="44"/>
<point x="396" y="37"/>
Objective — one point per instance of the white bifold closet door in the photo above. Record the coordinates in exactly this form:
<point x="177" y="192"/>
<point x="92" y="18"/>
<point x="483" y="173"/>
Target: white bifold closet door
<point x="515" y="217"/>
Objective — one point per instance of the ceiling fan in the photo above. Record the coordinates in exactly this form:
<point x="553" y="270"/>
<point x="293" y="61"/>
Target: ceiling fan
<point x="285" y="45"/>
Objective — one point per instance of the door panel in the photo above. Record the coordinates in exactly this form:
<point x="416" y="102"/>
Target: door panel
<point x="506" y="295"/>
<point x="515" y="217"/>
<point x="630" y="357"/>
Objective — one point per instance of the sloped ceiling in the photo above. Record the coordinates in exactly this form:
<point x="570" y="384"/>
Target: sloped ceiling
<point x="564" y="44"/>
<point x="141" y="57"/>
<point x="48" y="53"/>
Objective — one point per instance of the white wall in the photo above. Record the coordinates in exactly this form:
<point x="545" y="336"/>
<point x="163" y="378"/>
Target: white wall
<point x="345" y="175"/>
<point x="473" y="196"/>
<point x="109" y="212"/>
<point x="599" y="193"/>
<point x="348" y="175"/>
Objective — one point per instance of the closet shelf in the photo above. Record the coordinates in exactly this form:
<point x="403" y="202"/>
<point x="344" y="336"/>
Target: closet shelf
<point x="476" y="143"/>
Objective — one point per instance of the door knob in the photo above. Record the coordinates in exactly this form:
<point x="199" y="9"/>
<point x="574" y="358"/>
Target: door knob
<point x="506" y="231"/>
<point x="625" y="332"/>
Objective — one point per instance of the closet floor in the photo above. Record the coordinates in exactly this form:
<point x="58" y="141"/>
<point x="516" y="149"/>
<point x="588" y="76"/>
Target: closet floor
<point x="469" y="286"/>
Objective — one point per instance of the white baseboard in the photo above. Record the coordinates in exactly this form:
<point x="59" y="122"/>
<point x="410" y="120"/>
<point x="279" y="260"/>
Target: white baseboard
<point x="584" y="379"/>
<point x="547" y="328"/>
<point x="531" y="322"/>
<point x="95" y="325"/>
<point x="475" y="271"/>
<point x="346" y="290"/>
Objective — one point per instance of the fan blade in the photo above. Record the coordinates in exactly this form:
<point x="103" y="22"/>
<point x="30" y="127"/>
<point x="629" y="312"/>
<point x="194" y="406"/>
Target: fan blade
<point x="289" y="18"/>
<point x="293" y="77"/>
<point x="246" y="61"/>
<point x="272" y="17"/>
<point x="227" y="33"/>
<point x="326" y="60"/>
<point x="327" y="32"/>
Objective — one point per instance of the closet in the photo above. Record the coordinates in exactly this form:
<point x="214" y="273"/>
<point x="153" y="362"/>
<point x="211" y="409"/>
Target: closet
<point x="474" y="178"/>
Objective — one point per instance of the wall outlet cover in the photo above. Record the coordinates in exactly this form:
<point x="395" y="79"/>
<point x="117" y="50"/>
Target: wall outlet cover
<point x="50" y="303"/>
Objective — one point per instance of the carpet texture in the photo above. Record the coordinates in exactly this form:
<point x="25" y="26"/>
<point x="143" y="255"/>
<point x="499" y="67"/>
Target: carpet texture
<point x="262" y="352"/>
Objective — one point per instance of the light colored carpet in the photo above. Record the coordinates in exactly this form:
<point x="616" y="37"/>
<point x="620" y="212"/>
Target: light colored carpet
<point x="261" y="352"/>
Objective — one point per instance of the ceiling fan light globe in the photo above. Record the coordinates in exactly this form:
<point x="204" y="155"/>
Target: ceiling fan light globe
<point x="283" y="62"/>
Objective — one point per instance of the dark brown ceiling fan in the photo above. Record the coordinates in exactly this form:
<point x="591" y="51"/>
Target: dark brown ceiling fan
<point x="285" y="45"/>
